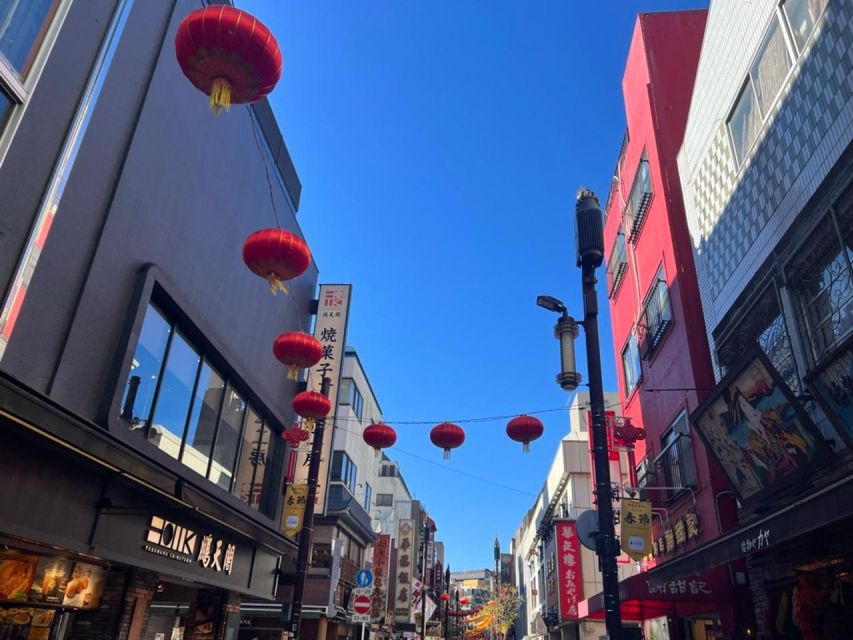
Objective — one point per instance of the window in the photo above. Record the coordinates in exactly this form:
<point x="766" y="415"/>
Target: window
<point x="617" y="265"/>
<point x="344" y="470"/>
<point x="656" y="316"/>
<point x="676" y="457"/>
<point x="368" y="496"/>
<point x="321" y="556"/>
<point x="744" y="122"/>
<point x="350" y="395"/>
<point x="384" y="500"/>
<point x="631" y="370"/>
<point x="802" y="16"/>
<point x="188" y="409"/>
<point x="639" y="199"/>
<point x="388" y="471"/>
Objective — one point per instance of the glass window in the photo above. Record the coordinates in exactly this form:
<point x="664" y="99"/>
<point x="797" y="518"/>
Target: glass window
<point x="350" y="395"/>
<point x="802" y="16"/>
<point x="744" y="122"/>
<point x="260" y="459"/>
<point x="770" y="67"/>
<point x="172" y="406"/>
<point x="368" y="496"/>
<point x="321" y="556"/>
<point x="251" y="451"/>
<point x="145" y="369"/>
<point x="23" y="26"/>
<point x="5" y="107"/>
<point x="344" y="470"/>
<point x="384" y="500"/>
<point x="631" y="370"/>
<point x="202" y="427"/>
<point x="227" y="439"/>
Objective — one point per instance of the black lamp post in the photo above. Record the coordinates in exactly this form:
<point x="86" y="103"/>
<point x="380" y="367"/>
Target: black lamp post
<point x="589" y="228"/>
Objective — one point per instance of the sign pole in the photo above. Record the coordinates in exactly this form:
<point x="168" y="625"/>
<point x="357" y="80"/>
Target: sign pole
<point x="362" y="631"/>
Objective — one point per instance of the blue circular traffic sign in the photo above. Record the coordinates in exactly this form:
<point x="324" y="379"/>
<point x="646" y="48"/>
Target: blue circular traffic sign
<point x="364" y="578"/>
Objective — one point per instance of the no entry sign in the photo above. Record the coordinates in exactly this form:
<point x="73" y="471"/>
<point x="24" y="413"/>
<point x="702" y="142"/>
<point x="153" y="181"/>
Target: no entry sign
<point x="361" y="605"/>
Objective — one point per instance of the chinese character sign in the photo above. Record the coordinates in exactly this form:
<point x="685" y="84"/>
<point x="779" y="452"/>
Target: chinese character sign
<point x="381" y="557"/>
<point x="406" y="560"/>
<point x="636" y="527"/>
<point x="294" y="509"/>
<point x="569" y="579"/>
<point x="330" y="329"/>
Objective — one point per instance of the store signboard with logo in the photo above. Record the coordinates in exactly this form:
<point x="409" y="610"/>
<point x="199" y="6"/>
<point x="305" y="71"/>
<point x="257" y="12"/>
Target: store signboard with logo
<point x="569" y="577"/>
<point x="406" y="559"/>
<point x="294" y="509"/>
<point x="330" y="329"/>
<point x="636" y="527"/>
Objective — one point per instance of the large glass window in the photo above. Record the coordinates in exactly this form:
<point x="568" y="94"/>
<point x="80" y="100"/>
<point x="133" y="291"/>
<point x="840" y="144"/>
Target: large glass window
<point x="770" y="67"/>
<point x="350" y="395"/>
<point x="227" y="438"/>
<point x="23" y="26"/>
<point x="202" y="427"/>
<point x="631" y="371"/>
<point x="145" y="369"/>
<point x="248" y="482"/>
<point x="344" y="470"/>
<point x="802" y="16"/>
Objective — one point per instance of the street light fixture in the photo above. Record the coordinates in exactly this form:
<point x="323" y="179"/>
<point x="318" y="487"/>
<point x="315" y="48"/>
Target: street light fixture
<point x="589" y="234"/>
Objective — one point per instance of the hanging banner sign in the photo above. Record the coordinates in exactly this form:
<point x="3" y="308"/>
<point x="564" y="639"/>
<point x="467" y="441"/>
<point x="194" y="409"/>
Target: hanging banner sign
<point x="294" y="509"/>
<point x="636" y="527"/>
<point x="405" y="570"/>
<point x="381" y="559"/>
<point x="569" y="578"/>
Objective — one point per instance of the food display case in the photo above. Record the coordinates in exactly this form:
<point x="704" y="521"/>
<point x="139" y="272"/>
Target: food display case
<point x="27" y="623"/>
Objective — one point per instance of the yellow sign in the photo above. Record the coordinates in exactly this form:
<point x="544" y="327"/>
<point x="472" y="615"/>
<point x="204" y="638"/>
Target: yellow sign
<point x="294" y="508"/>
<point x="636" y="528"/>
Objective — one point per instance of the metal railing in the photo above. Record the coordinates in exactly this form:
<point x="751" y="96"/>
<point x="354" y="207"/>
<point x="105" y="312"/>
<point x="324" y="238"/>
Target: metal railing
<point x="638" y="200"/>
<point x="655" y="319"/>
<point x="676" y="468"/>
<point x="617" y="265"/>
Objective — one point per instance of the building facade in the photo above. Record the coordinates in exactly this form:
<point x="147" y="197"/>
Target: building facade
<point x="663" y="361"/>
<point x="766" y="168"/>
<point x="141" y="408"/>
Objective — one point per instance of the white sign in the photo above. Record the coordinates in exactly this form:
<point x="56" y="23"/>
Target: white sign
<point x="170" y="540"/>
<point x="406" y="559"/>
<point x="357" y="618"/>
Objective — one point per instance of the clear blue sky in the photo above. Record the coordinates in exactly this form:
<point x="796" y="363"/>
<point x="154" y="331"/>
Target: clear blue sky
<point x="440" y="145"/>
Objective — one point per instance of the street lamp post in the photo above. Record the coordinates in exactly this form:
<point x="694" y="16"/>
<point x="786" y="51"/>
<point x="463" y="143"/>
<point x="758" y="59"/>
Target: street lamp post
<point x="424" y="580"/>
<point x="447" y="603"/>
<point x="589" y="227"/>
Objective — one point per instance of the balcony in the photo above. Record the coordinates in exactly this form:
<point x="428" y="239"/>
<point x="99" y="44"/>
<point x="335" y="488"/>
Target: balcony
<point x="617" y="265"/>
<point x="675" y="469"/>
<point x="638" y="201"/>
<point x="655" y="319"/>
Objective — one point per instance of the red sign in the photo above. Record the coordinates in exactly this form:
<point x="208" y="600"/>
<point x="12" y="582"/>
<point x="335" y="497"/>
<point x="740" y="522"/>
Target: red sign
<point x="569" y="579"/>
<point x="609" y="425"/>
<point x="361" y="605"/>
<point x="381" y="557"/>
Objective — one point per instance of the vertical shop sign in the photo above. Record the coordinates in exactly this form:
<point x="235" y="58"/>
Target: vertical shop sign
<point x="569" y="579"/>
<point x="381" y="558"/>
<point x="405" y="570"/>
<point x="636" y="527"/>
<point x="294" y="508"/>
<point x="330" y="329"/>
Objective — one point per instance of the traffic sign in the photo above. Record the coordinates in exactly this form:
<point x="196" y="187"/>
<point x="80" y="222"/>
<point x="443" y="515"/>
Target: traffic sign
<point x="359" y="618"/>
<point x="364" y="578"/>
<point x="361" y="605"/>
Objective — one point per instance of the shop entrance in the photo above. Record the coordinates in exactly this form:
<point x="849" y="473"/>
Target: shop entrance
<point x="167" y="619"/>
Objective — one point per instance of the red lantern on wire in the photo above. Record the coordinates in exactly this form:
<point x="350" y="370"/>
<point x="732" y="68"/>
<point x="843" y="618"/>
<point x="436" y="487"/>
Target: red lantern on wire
<point x="444" y="597"/>
<point x="297" y="350"/>
<point x="525" y="429"/>
<point x="277" y="255"/>
<point x="312" y="406"/>
<point x="228" y="55"/>
<point x="464" y="601"/>
<point x="447" y="436"/>
<point x="379" y="436"/>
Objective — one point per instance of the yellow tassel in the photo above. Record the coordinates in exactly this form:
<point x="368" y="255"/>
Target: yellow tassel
<point x="276" y="285"/>
<point x="220" y="95"/>
<point x="309" y="423"/>
<point x="292" y="373"/>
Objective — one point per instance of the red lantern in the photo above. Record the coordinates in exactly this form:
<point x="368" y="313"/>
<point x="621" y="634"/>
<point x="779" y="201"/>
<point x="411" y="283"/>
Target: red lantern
<point x="444" y="597"/>
<point x="276" y="255"/>
<point x="464" y="601"/>
<point x="297" y="351"/>
<point x="447" y="436"/>
<point x="295" y="435"/>
<point x="379" y="436"/>
<point x="227" y="54"/>
<point x="311" y="406"/>
<point x="525" y="429"/>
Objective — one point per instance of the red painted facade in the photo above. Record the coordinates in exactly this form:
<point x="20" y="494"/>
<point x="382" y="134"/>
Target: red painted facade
<point x="676" y="374"/>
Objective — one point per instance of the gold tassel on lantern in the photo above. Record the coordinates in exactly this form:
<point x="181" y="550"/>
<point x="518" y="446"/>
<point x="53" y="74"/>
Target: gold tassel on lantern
<point x="292" y="372"/>
<point x="220" y="95"/>
<point x="309" y="424"/>
<point x="276" y="284"/>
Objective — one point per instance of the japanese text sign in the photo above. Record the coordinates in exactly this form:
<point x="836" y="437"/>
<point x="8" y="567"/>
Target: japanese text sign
<point x="381" y="557"/>
<point x="406" y="559"/>
<point x="636" y="527"/>
<point x="294" y="508"/>
<point x="569" y="579"/>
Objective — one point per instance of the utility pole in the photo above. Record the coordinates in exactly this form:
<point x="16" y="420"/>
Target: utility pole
<point x="590" y="255"/>
<point x="306" y="536"/>
<point x="447" y="602"/>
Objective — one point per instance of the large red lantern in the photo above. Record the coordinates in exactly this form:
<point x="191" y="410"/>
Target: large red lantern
<point x="447" y="436"/>
<point x="312" y="406"/>
<point x="277" y="255"/>
<point x="228" y="55"/>
<point x="297" y="350"/>
<point x="444" y="597"/>
<point x="464" y="601"/>
<point x="379" y="436"/>
<point x="525" y="429"/>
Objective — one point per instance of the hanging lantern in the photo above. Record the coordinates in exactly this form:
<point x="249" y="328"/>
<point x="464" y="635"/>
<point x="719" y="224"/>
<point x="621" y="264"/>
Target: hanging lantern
<point x="295" y="435"/>
<point x="379" y="436"/>
<point x="297" y="350"/>
<point x="444" y="597"/>
<point x="464" y="601"/>
<point x="228" y="55"/>
<point x="312" y="406"/>
<point x="447" y="436"/>
<point x="525" y="429"/>
<point x="277" y="255"/>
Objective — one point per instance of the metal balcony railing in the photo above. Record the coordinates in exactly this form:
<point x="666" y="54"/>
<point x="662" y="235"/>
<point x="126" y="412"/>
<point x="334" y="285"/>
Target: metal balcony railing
<point x="638" y="200"/>
<point x="675" y="468"/>
<point x="655" y="319"/>
<point x="617" y="265"/>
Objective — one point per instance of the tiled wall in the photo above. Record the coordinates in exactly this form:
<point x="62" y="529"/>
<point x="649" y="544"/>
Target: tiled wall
<point x="738" y="215"/>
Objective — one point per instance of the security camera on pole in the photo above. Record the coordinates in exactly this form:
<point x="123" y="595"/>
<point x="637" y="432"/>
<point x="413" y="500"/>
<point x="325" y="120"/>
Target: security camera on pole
<point x="589" y="228"/>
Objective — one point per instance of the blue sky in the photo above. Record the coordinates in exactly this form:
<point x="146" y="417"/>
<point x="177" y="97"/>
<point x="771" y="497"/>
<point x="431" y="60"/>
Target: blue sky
<point x="440" y="145"/>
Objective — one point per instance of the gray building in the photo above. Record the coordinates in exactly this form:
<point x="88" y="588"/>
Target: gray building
<point x="140" y="401"/>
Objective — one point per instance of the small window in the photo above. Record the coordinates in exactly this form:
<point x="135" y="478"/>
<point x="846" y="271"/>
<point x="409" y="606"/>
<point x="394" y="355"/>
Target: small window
<point x="344" y="470"/>
<point x="744" y="122"/>
<point x="384" y="499"/>
<point x="676" y="457"/>
<point x="656" y="317"/>
<point x="631" y="370"/>
<point x="350" y="395"/>
<point x="23" y="26"/>
<point x="368" y="496"/>
<point x="321" y="556"/>
<point x="770" y="67"/>
<point x="802" y="16"/>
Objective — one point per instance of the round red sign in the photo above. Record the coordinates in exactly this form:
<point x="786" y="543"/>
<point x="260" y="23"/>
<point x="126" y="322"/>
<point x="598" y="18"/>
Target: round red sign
<point x="361" y="605"/>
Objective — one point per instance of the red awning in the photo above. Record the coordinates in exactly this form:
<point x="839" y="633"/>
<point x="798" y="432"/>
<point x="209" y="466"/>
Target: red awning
<point x="643" y="596"/>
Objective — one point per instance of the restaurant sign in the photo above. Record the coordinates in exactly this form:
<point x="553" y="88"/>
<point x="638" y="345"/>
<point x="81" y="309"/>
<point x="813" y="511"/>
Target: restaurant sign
<point x="405" y="570"/>
<point x="569" y="580"/>
<point x="179" y="543"/>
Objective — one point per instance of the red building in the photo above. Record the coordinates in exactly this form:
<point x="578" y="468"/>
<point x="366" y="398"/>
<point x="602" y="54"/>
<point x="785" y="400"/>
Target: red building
<point x="663" y="361"/>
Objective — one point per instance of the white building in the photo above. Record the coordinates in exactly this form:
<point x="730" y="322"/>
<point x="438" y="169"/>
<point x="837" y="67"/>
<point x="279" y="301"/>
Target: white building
<point x="567" y="492"/>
